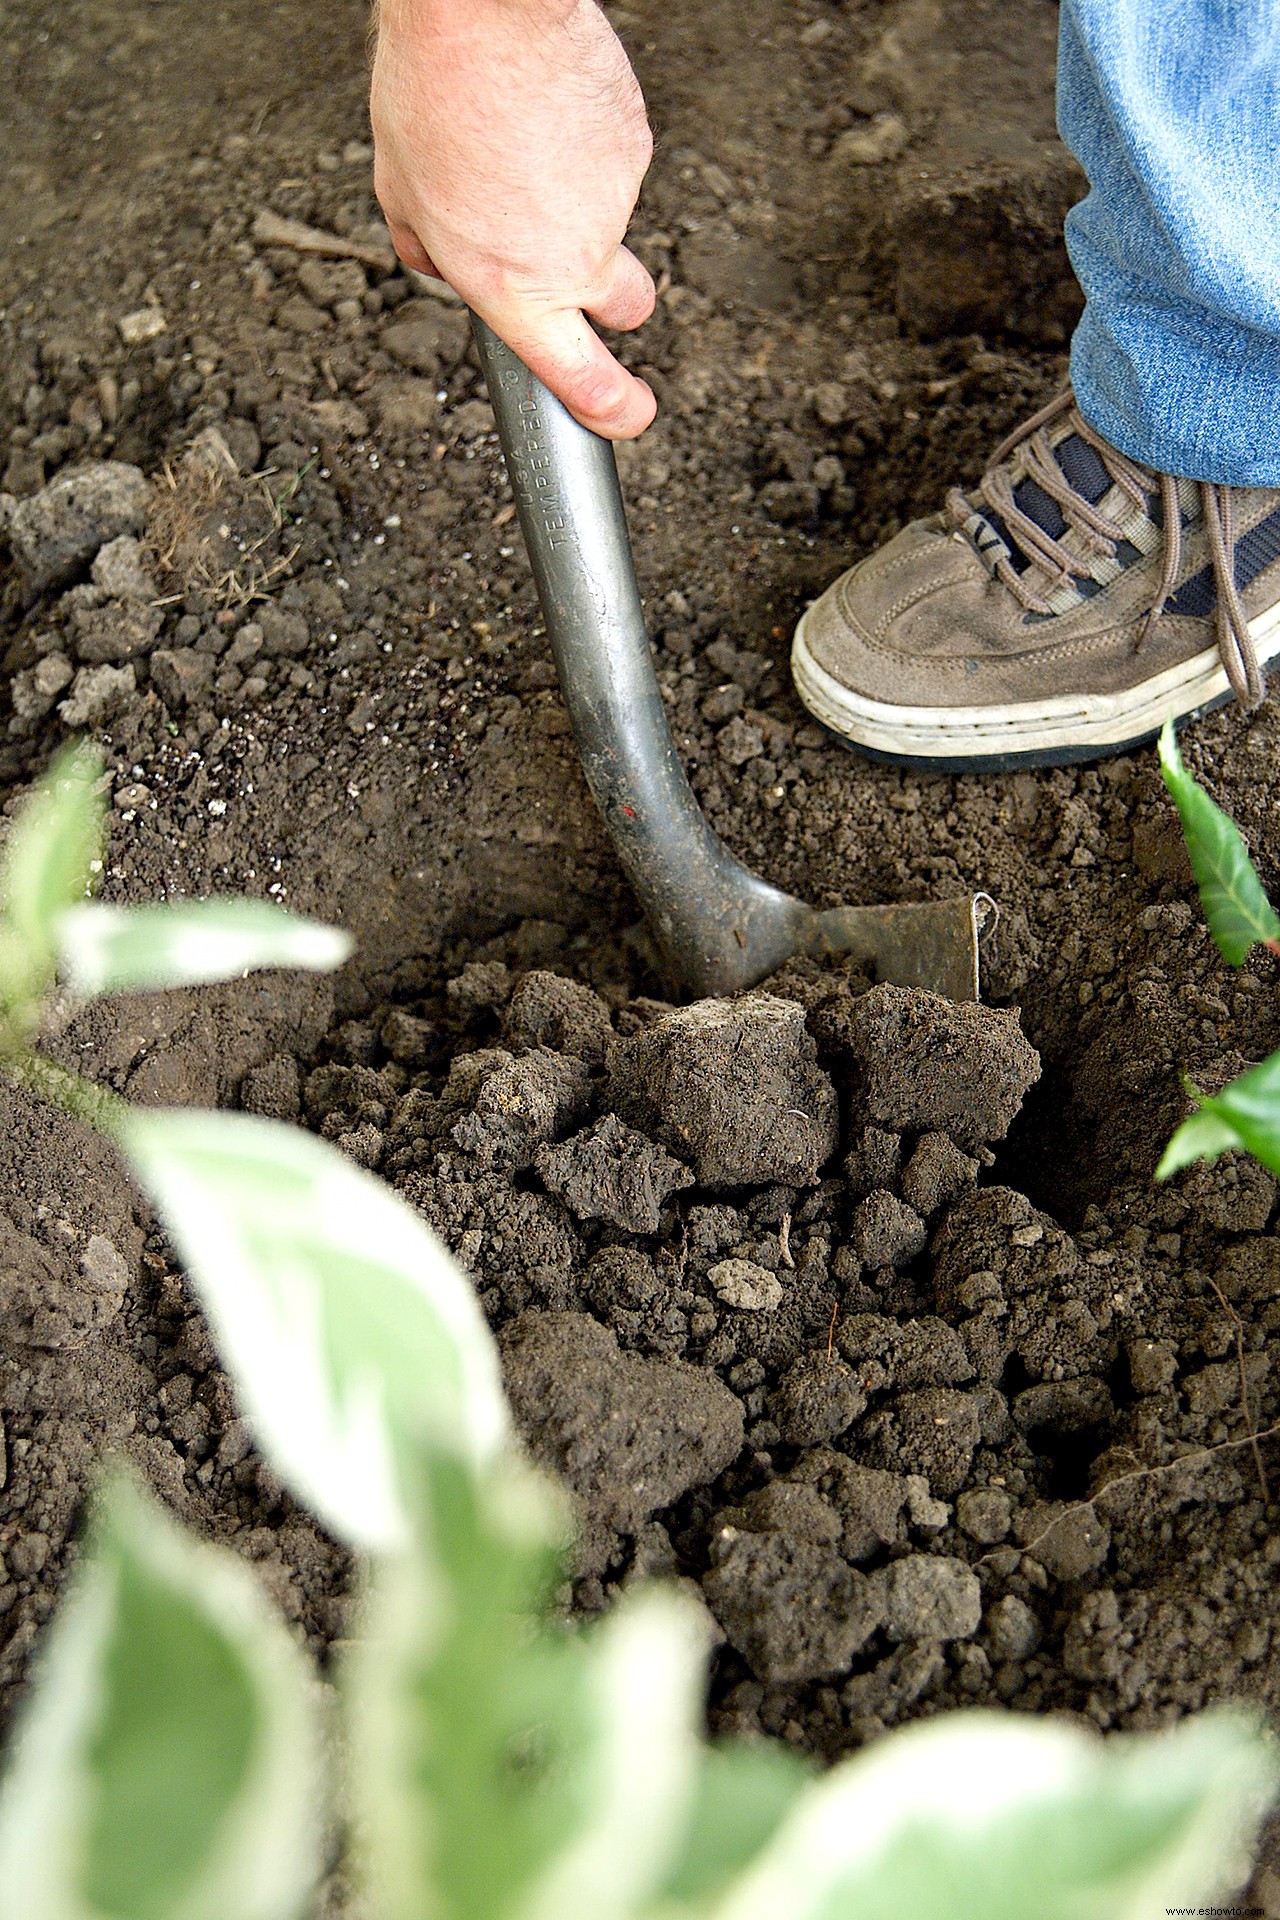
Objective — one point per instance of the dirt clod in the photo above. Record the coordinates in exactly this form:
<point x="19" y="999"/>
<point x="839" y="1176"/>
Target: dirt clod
<point x="629" y="1435"/>
<point x="793" y="1609"/>
<point x="611" y="1172"/>
<point x="55" y="533"/>
<point x="735" y="1085"/>
<point x="930" y="1064"/>
<point x="928" y="1597"/>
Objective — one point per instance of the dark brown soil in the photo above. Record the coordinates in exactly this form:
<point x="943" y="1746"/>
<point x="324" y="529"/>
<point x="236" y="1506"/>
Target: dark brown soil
<point x="934" y="1416"/>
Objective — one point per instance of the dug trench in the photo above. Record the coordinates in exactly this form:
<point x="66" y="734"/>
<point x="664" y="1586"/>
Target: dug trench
<point x="859" y="1313"/>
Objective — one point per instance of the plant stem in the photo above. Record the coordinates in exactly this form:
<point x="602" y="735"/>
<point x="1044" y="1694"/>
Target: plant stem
<point x="40" y="1075"/>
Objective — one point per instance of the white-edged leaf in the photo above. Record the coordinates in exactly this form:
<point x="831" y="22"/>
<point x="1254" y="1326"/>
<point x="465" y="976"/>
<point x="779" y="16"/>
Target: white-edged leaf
<point x="647" y="1682"/>
<point x="109" y="949"/>
<point x="469" y="1721"/>
<point x="1235" y="904"/>
<point x="46" y="866"/>
<point x="345" y="1324"/>
<point x="974" y="1815"/>
<point x="743" y="1792"/>
<point x="167" y="1763"/>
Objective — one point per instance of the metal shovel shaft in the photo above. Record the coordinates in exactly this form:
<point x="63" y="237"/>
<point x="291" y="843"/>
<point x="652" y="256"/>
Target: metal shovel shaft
<point x="717" y="925"/>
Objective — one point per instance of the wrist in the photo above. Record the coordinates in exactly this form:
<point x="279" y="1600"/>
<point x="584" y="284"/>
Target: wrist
<point x="456" y="15"/>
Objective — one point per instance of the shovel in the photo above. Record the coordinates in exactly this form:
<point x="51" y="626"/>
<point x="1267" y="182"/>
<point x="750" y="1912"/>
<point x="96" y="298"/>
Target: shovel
<point x="718" y="926"/>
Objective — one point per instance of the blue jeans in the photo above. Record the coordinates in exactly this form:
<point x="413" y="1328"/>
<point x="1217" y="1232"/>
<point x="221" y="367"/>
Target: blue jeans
<point x="1172" y="107"/>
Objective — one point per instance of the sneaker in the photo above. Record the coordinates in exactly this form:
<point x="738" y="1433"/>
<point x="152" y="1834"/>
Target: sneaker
<point x="1062" y="612"/>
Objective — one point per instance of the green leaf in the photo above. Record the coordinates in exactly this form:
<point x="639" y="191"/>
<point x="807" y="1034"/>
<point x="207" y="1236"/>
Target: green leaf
<point x="1202" y="1137"/>
<point x="1239" y="914"/>
<point x="167" y="1767"/>
<point x="742" y="1795"/>
<point x="347" y="1327"/>
<point x="977" y="1814"/>
<point x="502" y="1768"/>
<point x="48" y="859"/>
<point x="110" y="949"/>
<point x="1245" y="1114"/>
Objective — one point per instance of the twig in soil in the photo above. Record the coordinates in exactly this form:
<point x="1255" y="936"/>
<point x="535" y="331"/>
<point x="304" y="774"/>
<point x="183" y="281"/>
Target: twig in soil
<point x="784" y="1243"/>
<point x="831" y="1332"/>
<point x="273" y="230"/>
<point x="1235" y="1320"/>
<point x="1140" y="1473"/>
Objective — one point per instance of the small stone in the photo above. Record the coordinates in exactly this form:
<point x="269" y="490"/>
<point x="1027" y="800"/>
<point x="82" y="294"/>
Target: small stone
<point x="985" y="1514"/>
<point x="741" y="1284"/>
<point x="928" y="1597"/>
<point x="96" y="694"/>
<point x="143" y="324"/>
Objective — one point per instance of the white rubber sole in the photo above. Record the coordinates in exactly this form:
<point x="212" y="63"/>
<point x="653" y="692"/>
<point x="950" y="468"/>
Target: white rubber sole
<point x="1065" y="727"/>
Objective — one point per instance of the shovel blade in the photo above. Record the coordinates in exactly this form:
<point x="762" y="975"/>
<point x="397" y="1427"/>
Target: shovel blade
<point x="932" y="944"/>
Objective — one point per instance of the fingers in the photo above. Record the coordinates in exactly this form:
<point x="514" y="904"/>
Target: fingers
<point x="628" y="297"/>
<point x="574" y="362"/>
<point x="411" y="251"/>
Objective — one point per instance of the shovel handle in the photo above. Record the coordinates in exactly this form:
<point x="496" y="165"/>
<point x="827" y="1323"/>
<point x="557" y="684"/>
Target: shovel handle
<point x="717" y="926"/>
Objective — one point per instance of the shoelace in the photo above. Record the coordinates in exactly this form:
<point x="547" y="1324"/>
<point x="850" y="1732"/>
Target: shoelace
<point x="1099" y="535"/>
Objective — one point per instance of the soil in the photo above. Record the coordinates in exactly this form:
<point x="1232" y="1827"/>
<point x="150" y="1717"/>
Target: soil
<point x="862" y="1313"/>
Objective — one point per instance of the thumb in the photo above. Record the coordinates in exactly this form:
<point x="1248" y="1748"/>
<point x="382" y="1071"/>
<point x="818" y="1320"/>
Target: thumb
<point x="573" y="361"/>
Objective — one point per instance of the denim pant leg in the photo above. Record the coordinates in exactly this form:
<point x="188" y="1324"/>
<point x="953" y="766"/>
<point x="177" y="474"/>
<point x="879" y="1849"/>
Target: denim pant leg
<point x="1172" y="107"/>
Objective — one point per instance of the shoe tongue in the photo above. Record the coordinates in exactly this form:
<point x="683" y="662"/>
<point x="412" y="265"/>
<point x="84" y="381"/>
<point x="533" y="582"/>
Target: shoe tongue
<point x="1084" y="470"/>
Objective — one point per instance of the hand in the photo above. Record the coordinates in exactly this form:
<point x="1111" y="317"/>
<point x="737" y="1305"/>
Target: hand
<point x="511" y="140"/>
